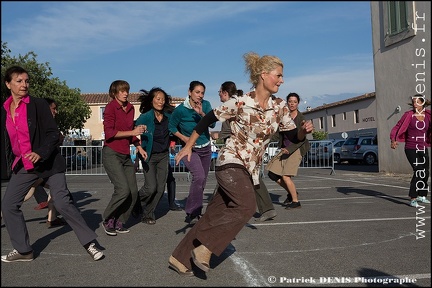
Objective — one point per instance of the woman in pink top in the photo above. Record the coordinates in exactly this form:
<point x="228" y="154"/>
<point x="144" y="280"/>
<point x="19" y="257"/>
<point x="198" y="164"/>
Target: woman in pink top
<point x="31" y="145"/>
<point x="414" y="128"/>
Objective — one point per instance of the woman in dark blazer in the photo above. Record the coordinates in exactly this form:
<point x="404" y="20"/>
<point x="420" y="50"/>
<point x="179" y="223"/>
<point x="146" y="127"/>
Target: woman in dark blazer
<point x="31" y="139"/>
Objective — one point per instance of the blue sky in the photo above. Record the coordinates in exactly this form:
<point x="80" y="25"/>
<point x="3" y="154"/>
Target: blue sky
<point x="326" y="47"/>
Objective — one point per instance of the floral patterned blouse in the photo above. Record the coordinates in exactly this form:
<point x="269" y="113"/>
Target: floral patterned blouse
<point x="252" y="128"/>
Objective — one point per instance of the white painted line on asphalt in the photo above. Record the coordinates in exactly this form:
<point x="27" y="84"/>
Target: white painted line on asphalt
<point x="330" y="248"/>
<point x="245" y="267"/>
<point x="356" y="181"/>
<point x="350" y="198"/>
<point x="335" y="221"/>
<point x="250" y="274"/>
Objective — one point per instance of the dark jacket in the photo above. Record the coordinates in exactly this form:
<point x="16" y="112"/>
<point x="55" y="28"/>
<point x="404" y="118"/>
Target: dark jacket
<point x="148" y="119"/>
<point x="44" y="138"/>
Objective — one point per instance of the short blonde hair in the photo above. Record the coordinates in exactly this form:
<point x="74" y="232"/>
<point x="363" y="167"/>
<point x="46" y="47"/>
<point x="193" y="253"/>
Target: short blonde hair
<point x="255" y="65"/>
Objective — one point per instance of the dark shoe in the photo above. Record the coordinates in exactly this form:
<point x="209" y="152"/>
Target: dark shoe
<point x="201" y="257"/>
<point x="109" y="227"/>
<point x="179" y="267"/>
<point x="42" y="205"/>
<point x="15" y="256"/>
<point x="149" y="221"/>
<point x="120" y="229"/>
<point x="176" y="208"/>
<point x="56" y="222"/>
<point x="293" y="205"/>
<point x="192" y="220"/>
<point x="289" y="199"/>
<point x="266" y="216"/>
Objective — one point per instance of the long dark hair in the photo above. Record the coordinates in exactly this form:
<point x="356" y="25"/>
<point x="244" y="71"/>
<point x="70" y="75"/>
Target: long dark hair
<point x="423" y="100"/>
<point x="231" y="88"/>
<point x="146" y="99"/>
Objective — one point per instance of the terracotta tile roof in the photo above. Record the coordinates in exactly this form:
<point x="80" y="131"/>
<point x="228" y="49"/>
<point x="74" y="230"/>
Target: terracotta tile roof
<point x="338" y="103"/>
<point x="103" y="98"/>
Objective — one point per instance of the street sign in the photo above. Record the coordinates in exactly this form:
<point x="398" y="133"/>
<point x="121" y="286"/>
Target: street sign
<point x="344" y="135"/>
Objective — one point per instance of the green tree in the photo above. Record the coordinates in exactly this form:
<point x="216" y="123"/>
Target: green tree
<point x="73" y="110"/>
<point x="319" y="135"/>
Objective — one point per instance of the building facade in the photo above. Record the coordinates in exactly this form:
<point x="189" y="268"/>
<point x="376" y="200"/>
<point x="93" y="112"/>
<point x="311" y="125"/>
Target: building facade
<point x="347" y="118"/>
<point x="97" y="103"/>
<point x="402" y="58"/>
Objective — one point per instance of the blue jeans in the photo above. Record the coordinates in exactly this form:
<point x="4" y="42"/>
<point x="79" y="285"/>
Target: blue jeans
<point x="198" y="166"/>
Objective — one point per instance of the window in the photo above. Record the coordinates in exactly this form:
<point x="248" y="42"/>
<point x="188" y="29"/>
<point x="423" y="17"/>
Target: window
<point x="101" y="111"/>
<point x="344" y="116"/>
<point x="321" y="123"/>
<point x="366" y="141"/>
<point x="398" y="21"/>
<point x="356" y="116"/>
<point x="333" y="118"/>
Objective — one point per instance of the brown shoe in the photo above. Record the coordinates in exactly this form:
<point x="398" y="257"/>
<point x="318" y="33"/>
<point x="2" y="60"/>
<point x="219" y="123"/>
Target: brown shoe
<point x="179" y="267"/>
<point x="201" y="257"/>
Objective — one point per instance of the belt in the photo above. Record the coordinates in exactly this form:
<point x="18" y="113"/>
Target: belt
<point x="202" y="146"/>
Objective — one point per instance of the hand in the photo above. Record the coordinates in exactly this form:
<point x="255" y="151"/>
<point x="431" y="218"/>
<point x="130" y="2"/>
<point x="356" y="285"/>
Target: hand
<point x="307" y="126"/>
<point x="198" y="108"/>
<point x="140" y="129"/>
<point x="285" y="151"/>
<point x="33" y="157"/>
<point x="144" y="154"/>
<point x="185" y="151"/>
<point x="394" y="144"/>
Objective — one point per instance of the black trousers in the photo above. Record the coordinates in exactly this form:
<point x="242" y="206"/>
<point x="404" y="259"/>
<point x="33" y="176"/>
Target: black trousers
<point x="419" y="162"/>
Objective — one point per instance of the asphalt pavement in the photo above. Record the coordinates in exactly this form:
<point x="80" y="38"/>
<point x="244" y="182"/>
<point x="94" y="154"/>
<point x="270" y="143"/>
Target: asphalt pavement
<point x="355" y="228"/>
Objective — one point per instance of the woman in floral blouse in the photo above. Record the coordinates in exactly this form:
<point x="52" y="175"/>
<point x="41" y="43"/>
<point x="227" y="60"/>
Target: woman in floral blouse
<point x="257" y="116"/>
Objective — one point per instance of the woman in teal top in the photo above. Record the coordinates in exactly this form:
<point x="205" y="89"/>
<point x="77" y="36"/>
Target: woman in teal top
<point x="155" y="113"/>
<point x="182" y="122"/>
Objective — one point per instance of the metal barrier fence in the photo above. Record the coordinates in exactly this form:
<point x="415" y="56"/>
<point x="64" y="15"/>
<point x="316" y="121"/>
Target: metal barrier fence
<point x="87" y="160"/>
<point x="83" y="160"/>
<point x="320" y="155"/>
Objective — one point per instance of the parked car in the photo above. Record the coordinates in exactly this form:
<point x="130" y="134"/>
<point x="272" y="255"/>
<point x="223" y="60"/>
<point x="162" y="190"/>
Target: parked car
<point x="360" y="149"/>
<point x="271" y="151"/>
<point x="325" y="151"/>
<point x="311" y="155"/>
<point x="76" y="157"/>
<point x="337" y="144"/>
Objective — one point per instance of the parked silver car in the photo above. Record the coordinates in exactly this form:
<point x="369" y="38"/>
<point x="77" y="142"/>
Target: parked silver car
<point x="360" y="149"/>
<point x="337" y="145"/>
<point x="327" y="151"/>
<point x="313" y="150"/>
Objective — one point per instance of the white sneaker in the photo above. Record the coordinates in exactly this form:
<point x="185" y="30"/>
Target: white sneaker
<point x="414" y="203"/>
<point x="94" y="252"/>
<point x="423" y="199"/>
